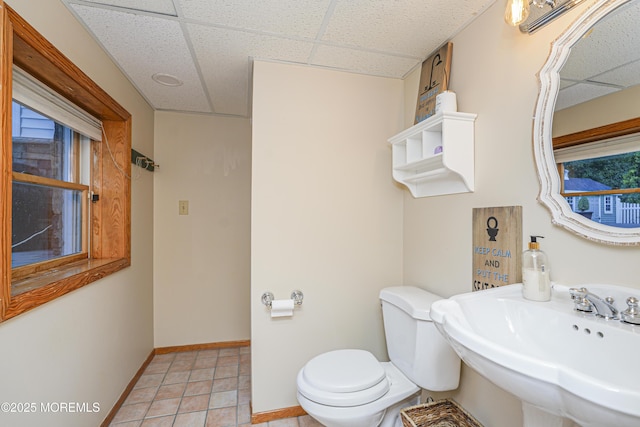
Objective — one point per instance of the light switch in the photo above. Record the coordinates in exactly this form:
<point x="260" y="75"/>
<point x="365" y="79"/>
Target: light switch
<point x="183" y="207"/>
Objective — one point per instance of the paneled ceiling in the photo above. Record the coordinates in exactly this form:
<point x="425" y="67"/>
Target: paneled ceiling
<point x="209" y="45"/>
<point x="605" y="60"/>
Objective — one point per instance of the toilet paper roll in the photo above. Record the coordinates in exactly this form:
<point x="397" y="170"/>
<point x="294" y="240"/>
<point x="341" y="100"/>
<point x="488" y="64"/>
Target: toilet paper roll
<point x="446" y="102"/>
<point x="282" y="307"/>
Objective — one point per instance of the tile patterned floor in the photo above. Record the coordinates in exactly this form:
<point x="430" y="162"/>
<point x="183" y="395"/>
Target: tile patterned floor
<point x="205" y="388"/>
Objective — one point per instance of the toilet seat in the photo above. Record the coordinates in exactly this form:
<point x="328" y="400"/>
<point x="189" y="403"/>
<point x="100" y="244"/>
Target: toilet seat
<point x="343" y="378"/>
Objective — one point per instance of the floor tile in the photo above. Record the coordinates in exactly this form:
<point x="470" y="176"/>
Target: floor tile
<point x="228" y="360"/>
<point x="157" y="368"/>
<point x="151" y="380"/>
<point x="226" y="371"/>
<point x="287" y="422"/>
<point x="222" y="417"/>
<point x="191" y="419"/>
<point x="176" y="377"/>
<point x="127" y="424"/>
<point x="199" y="387"/>
<point x="225" y="384"/>
<point x="210" y="352"/>
<point x="170" y="391"/>
<point x="194" y="403"/>
<point x="163" y="407"/>
<point x="223" y="399"/>
<point x="201" y="374"/>
<point x="140" y="395"/>
<point x="205" y="362"/>
<point x="131" y="412"/>
<point x="158" y="422"/>
<point x="307" y="421"/>
<point x="205" y="388"/>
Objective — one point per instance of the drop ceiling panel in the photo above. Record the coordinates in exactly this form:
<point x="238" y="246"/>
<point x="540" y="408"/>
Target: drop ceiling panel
<point x="623" y="76"/>
<point x="602" y="61"/>
<point x="164" y="7"/>
<point x="412" y="27"/>
<point x="616" y="37"/>
<point x="225" y="55"/>
<point x="289" y="18"/>
<point x="158" y="47"/>
<point x="580" y="93"/>
<point x="208" y="44"/>
<point x="364" y="62"/>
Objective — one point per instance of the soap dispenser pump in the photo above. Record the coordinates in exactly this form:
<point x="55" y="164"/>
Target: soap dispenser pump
<point x="535" y="273"/>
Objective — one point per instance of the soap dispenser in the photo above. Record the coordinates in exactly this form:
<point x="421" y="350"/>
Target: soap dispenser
<point x="535" y="273"/>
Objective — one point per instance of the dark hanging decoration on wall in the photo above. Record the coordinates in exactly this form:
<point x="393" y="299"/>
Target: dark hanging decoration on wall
<point x="143" y="161"/>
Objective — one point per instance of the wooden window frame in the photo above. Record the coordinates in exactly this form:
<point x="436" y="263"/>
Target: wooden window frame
<point x="29" y="270"/>
<point x="110" y="222"/>
<point x="613" y="130"/>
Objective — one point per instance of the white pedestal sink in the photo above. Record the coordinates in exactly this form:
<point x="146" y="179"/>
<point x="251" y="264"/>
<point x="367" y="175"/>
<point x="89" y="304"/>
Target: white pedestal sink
<point x="561" y="363"/>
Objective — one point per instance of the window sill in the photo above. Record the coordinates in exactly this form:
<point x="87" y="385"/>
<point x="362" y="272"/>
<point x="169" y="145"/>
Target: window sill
<point x="32" y="292"/>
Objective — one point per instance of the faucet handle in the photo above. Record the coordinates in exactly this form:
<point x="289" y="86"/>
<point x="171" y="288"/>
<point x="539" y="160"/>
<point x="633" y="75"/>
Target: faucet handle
<point x="579" y="297"/>
<point x="578" y="292"/>
<point x="631" y="314"/>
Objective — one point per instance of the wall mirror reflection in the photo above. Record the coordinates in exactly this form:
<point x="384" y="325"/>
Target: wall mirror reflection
<point x="587" y="126"/>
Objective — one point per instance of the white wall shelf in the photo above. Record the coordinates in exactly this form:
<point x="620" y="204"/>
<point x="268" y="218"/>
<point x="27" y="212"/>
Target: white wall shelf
<point x="418" y="166"/>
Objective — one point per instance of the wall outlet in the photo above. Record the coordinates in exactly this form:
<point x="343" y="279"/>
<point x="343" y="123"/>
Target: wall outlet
<point x="183" y="207"/>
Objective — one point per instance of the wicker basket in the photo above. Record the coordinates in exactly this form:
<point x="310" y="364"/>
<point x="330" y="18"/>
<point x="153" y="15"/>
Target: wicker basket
<point x="440" y="413"/>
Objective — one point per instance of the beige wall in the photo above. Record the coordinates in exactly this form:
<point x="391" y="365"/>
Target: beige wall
<point x="326" y="217"/>
<point x="201" y="277"/>
<point x="601" y="111"/>
<point x="87" y="345"/>
<point x="494" y="74"/>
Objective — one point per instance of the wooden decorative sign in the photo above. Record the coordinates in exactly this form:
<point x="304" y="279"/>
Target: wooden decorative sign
<point x="497" y="246"/>
<point x="434" y="79"/>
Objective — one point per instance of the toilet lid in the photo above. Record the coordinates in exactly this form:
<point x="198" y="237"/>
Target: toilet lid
<point x="343" y="378"/>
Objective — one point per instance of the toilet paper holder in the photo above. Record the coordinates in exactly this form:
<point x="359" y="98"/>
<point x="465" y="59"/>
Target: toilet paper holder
<point x="296" y="296"/>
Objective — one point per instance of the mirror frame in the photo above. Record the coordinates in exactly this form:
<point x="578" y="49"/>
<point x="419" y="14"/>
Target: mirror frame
<point x="549" y="81"/>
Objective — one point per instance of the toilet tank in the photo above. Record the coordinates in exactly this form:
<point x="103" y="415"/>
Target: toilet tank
<point x="414" y="344"/>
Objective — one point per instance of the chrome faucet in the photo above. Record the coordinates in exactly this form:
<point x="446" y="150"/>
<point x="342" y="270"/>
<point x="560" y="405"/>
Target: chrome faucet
<point x="588" y="302"/>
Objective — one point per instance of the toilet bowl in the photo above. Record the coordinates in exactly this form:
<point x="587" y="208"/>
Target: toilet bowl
<point x="351" y="388"/>
<point x="362" y="391"/>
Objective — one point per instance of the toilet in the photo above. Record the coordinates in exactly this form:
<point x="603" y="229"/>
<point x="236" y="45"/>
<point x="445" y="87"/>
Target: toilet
<point x="351" y="388"/>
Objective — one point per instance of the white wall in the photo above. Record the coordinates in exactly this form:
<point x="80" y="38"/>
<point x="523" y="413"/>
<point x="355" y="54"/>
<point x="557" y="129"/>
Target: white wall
<point x="87" y="345"/>
<point x="201" y="277"/>
<point x="326" y="217"/>
<point x="494" y="74"/>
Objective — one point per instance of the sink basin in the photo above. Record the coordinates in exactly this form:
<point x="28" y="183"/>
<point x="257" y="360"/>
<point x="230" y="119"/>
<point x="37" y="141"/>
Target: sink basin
<point x="560" y="362"/>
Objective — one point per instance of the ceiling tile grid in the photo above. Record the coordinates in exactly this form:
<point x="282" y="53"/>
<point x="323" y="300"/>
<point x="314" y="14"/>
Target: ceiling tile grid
<point x="586" y="76"/>
<point x="210" y="44"/>
<point x="623" y="76"/>
<point x="164" y="7"/>
<point x="579" y="93"/>
<point x="363" y="62"/>
<point x="300" y="19"/>
<point x="410" y="27"/>
<point x="157" y="47"/>
<point x="225" y="60"/>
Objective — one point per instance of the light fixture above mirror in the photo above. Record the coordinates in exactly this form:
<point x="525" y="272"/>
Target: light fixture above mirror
<point x="531" y="15"/>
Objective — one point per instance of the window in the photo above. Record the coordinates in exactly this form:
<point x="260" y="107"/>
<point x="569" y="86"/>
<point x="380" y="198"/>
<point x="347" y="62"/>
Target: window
<point x="53" y="238"/>
<point x="49" y="193"/>
<point x="601" y="172"/>
<point x="608" y="204"/>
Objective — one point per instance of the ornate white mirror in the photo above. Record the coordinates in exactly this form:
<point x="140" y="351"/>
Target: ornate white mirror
<point x="594" y="64"/>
